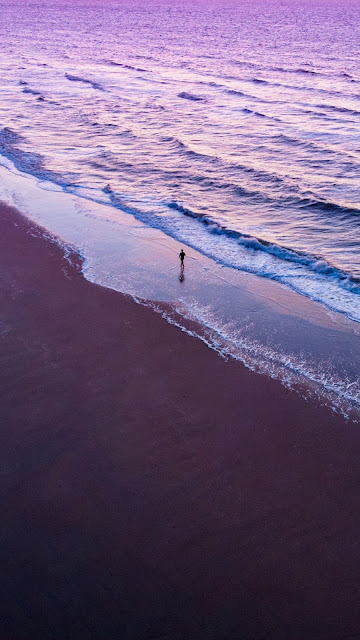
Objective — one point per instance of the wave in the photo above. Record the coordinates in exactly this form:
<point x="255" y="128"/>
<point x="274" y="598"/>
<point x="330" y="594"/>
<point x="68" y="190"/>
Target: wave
<point x="256" y="113"/>
<point x="10" y="137"/>
<point x="33" y="92"/>
<point x="184" y="149"/>
<point x="313" y="89"/>
<point x="282" y="138"/>
<point x="301" y="70"/>
<point x="241" y="94"/>
<point x="295" y="200"/>
<point x="234" y="92"/>
<point x="154" y="106"/>
<point x="11" y="144"/>
<point x="92" y="83"/>
<point x="191" y="96"/>
<point x="298" y="70"/>
<point x="259" y="114"/>
<point x="27" y="161"/>
<point x="33" y="164"/>
<point x="345" y="110"/>
<point x="258" y="174"/>
<point x="112" y="63"/>
<point x="322" y="271"/>
<point x="315" y="263"/>
<point x="319" y="114"/>
<point x="305" y="71"/>
<point x="319" y="90"/>
<point x="327" y="206"/>
<point x="229" y="186"/>
<point x="203" y="178"/>
<point x="211" y="83"/>
<point x="293" y="87"/>
<point x="290" y="199"/>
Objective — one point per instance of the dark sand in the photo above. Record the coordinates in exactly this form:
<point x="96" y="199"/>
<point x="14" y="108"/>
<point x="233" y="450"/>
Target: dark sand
<point x="152" y="490"/>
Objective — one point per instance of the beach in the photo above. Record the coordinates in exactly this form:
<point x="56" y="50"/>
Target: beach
<point x="151" y="488"/>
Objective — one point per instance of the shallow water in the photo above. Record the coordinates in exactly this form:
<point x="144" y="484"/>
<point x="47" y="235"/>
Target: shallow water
<point x="231" y="127"/>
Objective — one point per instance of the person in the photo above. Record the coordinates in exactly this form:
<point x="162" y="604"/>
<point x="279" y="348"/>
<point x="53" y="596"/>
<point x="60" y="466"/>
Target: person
<point x="182" y="255"/>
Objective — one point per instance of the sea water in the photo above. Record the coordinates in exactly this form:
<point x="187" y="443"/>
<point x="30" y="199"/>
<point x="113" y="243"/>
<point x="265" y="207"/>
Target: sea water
<point x="230" y="127"/>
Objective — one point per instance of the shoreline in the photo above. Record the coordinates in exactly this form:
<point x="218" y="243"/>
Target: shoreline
<point x="153" y="489"/>
<point x="115" y="211"/>
<point x="263" y="324"/>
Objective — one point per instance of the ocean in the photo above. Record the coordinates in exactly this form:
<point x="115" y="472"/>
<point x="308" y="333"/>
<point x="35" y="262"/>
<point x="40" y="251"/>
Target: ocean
<point x="232" y="128"/>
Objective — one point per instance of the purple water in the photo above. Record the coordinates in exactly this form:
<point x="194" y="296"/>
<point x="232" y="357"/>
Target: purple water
<point x="233" y="128"/>
<point x="221" y="119"/>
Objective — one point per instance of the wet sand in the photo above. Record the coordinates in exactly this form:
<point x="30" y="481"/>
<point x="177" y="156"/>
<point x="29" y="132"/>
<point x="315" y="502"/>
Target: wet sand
<point x="152" y="490"/>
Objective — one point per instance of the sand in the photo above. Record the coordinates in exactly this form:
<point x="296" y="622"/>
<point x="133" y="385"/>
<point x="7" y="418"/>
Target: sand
<point x="151" y="489"/>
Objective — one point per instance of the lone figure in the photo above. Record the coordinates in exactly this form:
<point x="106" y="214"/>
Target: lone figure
<point x="182" y="255"/>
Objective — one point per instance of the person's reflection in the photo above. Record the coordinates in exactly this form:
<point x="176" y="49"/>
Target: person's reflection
<point x="181" y="275"/>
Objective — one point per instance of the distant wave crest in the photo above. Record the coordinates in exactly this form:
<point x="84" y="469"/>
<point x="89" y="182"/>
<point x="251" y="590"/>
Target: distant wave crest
<point x="32" y="92"/>
<point x="190" y="96"/>
<point x="345" y="110"/>
<point x="92" y="83"/>
<point x="113" y="63"/>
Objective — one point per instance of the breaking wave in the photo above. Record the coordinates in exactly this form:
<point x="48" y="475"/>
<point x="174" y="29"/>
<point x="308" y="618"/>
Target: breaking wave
<point x="315" y="264"/>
